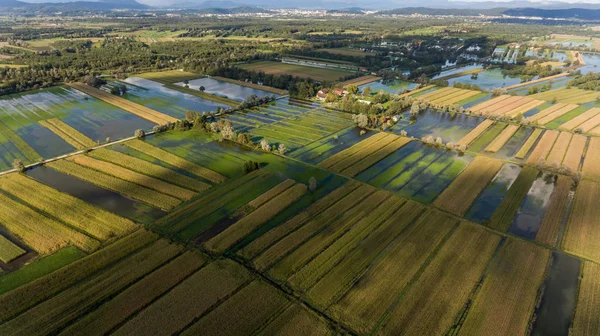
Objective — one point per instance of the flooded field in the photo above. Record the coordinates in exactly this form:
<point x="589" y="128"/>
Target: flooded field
<point x="529" y="217"/>
<point x="389" y="86"/>
<point x="21" y="114"/>
<point x="429" y="123"/>
<point x="416" y="171"/>
<point x="225" y="89"/>
<point x="490" y="198"/>
<point x="93" y="194"/>
<point x="157" y="97"/>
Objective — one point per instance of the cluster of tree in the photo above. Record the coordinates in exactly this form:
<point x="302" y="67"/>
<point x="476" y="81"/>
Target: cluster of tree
<point x="539" y="88"/>
<point x="467" y="86"/>
<point x="590" y="81"/>
<point x="527" y="73"/>
<point x="254" y="100"/>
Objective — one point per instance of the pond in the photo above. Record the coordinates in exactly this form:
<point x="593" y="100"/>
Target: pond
<point x="225" y="89"/>
<point x="389" y="86"/>
<point x="160" y="98"/>
<point x="560" y="294"/>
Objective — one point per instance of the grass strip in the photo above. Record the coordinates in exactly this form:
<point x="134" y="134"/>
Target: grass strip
<point x="149" y="169"/>
<point x="9" y="251"/>
<point x="175" y="161"/>
<point x="522" y="153"/>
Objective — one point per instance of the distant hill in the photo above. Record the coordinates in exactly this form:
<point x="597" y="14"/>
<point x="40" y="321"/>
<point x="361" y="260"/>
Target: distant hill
<point x="571" y="13"/>
<point x="353" y="10"/>
<point x="238" y="10"/>
<point x="12" y="3"/>
<point x="443" y="11"/>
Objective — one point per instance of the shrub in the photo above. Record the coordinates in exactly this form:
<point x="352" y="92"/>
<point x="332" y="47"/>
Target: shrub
<point x="139" y="133"/>
<point x="250" y="166"/>
<point x="18" y="165"/>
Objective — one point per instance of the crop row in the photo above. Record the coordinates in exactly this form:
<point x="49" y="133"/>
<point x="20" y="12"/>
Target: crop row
<point x="543" y="147"/>
<point x="234" y="233"/>
<point x="503" y="216"/>
<point x="363" y="304"/>
<point x="312" y="226"/>
<point x="366" y="160"/>
<point x="68" y="133"/>
<point x="21" y="145"/>
<point x="263" y="242"/>
<point x="567" y="95"/>
<point x="502" y="139"/>
<point x="149" y="169"/>
<point x="175" y="161"/>
<point x="42" y="233"/>
<point x="134" y="177"/>
<point x="95" y="221"/>
<point x="59" y="311"/>
<point x="582" y="232"/>
<point x="556" y="211"/>
<point x="116" y="311"/>
<point x="9" y="251"/>
<point x="580" y="119"/>
<point x="475" y="133"/>
<point x="356" y="257"/>
<point x="112" y="183"/>
<point x="29" y="295"/>
<point x="133" y="108"/>
<point x="518" y="269"/>
<point x="586" y="321"/>
<point x="522" y="153"/>
<point x="555" y="111"/>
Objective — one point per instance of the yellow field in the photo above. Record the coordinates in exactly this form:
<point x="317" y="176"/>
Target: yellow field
<point x="579" y="120"/>
<point x="510" y="106"/>
<point x="557" y="154"/>
<point x="543" y="147"/>
<point x="587" y="314"/>
<point x="9" y="251"/>
<point x="448" y="95"/>
<point x="573" y="157"/>
<point x="475" y="133"/>
<point x="361" y="80"/>
<point x="591" y="163"/>
<point x="441" y="292"/>
<point x="555" y="212"/>
<point x="582" y="237"/>
<point x="461" y="193"/>
<point x="170" y="76"/>
<point x="529" y="143"/>
<point x="501" y="139"/>
<point x="567" y="96"/>
<point x="508" y="294"/>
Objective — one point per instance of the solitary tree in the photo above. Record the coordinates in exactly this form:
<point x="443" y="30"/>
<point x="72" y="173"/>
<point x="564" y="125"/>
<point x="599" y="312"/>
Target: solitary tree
<point x="352" y="89"/>
<point x="264" y="144"/>
<point x="201" y="88"/>
<point x="282" y="149"/>
<point x="139" y="133"/>
<point x="18" y="165"/>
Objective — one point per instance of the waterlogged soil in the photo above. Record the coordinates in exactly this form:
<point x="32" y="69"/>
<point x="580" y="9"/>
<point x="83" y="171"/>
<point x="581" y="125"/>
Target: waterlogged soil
<point x="106" y="199"/>
<point x="450" y="128"/>
<point x="160" y="98"/>
<point x="225" y="89"/>
<point x="529" y="217"/>
<point x="487" y="79"/>
<point x="558" y="302"/>
<point x="316" y="152"/>
<point x="491" y="197"/>
<point x="416" y="171"/>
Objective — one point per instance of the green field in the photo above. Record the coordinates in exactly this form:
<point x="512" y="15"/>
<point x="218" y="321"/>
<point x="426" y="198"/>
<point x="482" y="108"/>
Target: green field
<point x="276" y="68"/>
